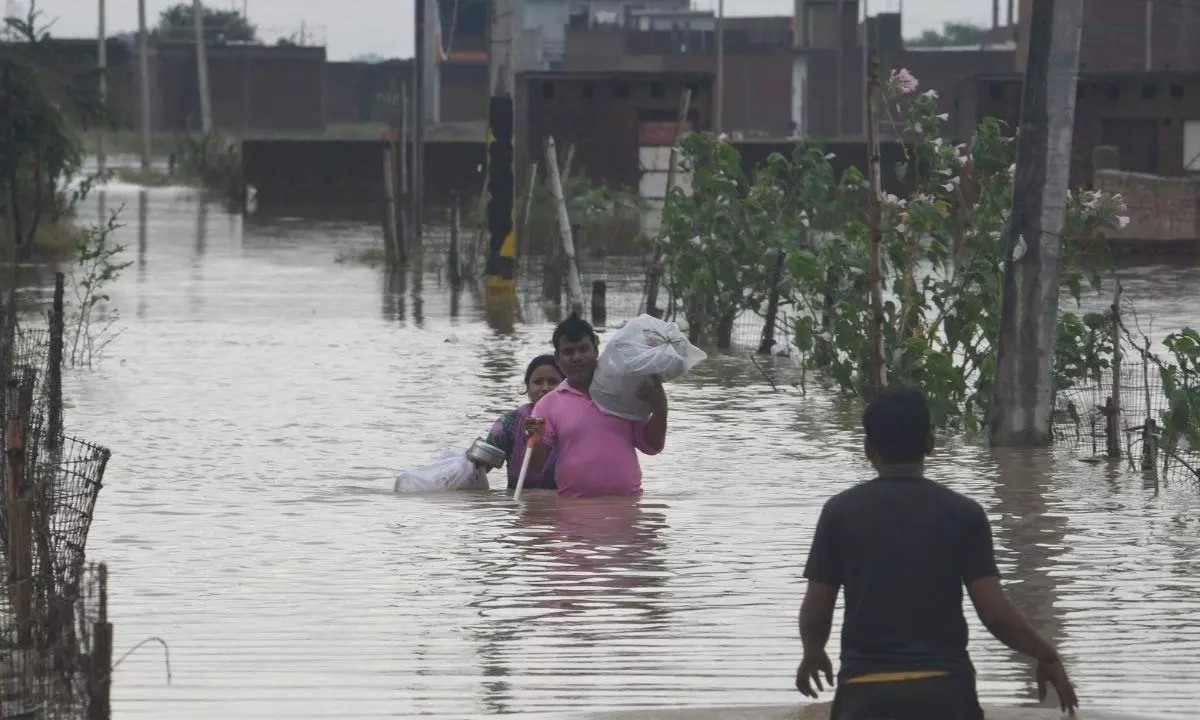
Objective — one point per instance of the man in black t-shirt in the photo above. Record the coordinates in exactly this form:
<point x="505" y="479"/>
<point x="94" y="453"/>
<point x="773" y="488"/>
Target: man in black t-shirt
<point x="903" y="547"/>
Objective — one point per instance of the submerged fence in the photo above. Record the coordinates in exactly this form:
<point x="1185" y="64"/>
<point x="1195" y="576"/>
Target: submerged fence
<point x="55" y="639"/>
<point x="1128" y="425"/>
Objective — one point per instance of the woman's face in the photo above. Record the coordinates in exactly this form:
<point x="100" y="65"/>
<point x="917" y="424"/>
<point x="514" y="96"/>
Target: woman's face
<point x="544" y="379"/>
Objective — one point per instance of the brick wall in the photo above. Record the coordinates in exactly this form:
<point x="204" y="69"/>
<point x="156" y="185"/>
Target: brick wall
<point x="1161" y="209"/>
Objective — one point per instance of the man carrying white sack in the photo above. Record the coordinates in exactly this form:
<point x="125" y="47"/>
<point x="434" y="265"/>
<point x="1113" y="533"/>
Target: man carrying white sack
<point x="597" y="450"/>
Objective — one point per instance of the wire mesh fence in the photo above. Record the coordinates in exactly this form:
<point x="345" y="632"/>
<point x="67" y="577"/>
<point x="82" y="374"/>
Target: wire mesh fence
<point x="55" y="642"/>
<point x="1089" y="418"/>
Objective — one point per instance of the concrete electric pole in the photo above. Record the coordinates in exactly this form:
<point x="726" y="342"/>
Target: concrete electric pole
<point x="1033" y="243"/>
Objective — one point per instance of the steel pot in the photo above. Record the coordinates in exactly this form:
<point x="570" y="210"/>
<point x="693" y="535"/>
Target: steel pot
<point x="484" y="454"/>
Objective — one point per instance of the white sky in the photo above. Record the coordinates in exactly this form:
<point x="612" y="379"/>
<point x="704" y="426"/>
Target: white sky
<point x="384" y="27"/>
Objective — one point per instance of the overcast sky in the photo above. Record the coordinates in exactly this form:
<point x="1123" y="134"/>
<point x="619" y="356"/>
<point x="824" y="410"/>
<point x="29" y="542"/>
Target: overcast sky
<point x="384" y="27"/>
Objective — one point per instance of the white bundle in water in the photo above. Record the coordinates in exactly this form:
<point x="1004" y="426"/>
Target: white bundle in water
<point x="645" y="346"/>
<point x="452" y="470"/>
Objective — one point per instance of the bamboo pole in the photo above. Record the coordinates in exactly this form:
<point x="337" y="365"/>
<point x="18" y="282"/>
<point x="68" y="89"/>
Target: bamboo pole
<point x="391" y="231"/>
<point x="876" y="372"/>
<point x="100" y="671"/>
<point x="574" y="289"/>
<point x="652" y="283"/>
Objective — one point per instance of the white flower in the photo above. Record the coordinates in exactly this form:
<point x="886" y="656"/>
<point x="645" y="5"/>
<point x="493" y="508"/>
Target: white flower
<point x="938" y="142"/>
<point x="696" y="241"/>
<point x="1122" y="221"/>
<point x="918" y="128"/>
<point x="723" y="137"/>
<point x="931" y="94"/>
<point x="950" y="186"/>
<point x="1012" y="170"/>
<point x="830" y="156"/>
<point x="804" y="220"/>
<point x="944" y="117"/>
<point x="902" y="228"/>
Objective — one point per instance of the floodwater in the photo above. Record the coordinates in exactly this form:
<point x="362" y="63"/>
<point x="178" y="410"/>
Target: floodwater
<point x="261" y="395"/>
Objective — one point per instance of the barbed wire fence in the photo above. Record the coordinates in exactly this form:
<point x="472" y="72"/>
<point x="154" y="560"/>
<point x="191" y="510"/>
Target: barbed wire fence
<point x="55" y="638"/>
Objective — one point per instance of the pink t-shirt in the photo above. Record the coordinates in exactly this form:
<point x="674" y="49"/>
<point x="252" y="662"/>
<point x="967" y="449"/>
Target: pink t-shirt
<point x="597" y="453"/>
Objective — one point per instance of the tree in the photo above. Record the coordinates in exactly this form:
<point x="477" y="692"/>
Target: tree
<point x="952" y="35"/>
<point x="220" y="26"/>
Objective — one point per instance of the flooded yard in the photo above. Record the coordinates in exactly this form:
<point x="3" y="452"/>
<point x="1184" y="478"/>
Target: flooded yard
<point x="262" y="394"/>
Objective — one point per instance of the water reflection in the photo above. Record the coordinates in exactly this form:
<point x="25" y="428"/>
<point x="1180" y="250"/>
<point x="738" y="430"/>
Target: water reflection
<point x="1033" y="538"/>
<point x="418" y="282"/>
<point x="575" y="578"/>
<point x="395" y="287"/>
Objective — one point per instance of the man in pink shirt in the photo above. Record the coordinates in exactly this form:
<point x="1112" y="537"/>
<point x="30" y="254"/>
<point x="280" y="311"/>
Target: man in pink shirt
<point x="597" y="453"/>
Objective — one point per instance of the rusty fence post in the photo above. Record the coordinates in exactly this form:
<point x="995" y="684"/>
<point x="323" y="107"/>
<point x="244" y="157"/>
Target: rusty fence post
<point x="54" y="420"/>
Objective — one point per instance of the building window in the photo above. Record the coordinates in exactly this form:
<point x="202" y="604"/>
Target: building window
<point x="622" y="90"/>
<point x="997" y="91"/>
<point x="589" y="91"/>
<point x="1191" y="146"/>
<point x="657" y="91"/>
<point x="1176" y="92"/>
<point x="548" y="90"/>
<point x="1149" y="92"/>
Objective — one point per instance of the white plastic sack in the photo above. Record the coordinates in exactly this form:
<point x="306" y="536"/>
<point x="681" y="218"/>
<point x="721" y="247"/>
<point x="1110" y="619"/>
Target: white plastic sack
<point x="451" y="471"/>
<point x="645" y="346"/>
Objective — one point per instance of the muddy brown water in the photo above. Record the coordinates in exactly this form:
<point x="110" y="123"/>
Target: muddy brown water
<point x="261" y="396"/>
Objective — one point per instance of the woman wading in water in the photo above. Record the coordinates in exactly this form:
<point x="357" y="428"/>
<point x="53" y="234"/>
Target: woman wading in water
<point x="508" y="433"/>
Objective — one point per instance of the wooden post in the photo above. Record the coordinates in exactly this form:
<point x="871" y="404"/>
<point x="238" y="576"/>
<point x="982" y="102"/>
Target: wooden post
<point x="768" y="335"/>
<point x="1024" y="394"/>
<point x="1113" y="413"/>
<point x="455" y="262"/>
<point x="100" y="670"/>
<point x="102" y="63"/>
<point x="876" y="369"/>
<point x="574" y="291"/>
<point x="20" y="556"/>
<point x="652" y="283"/>
<point x="599" y="303"/>
<point x="206" y="120"/>
<point x="144" y="77"/>
<point x="54" y="420"/>
<point x="1149" y="427"/>
<point x="419" y="116"/>
<point x="523" y="240"/>
<point x="391" y="234"/>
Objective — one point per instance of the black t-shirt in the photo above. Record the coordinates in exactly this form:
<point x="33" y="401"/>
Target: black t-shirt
<point x="902" y="549"/>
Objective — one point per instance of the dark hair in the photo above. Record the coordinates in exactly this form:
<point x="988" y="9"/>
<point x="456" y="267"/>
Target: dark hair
<point x="897" y="425"/>
<point x="538" y="362"/>
<point x="574" y="329"/>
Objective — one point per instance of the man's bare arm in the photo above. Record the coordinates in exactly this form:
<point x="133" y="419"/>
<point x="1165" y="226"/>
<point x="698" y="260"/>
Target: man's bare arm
<point x="1005" y="621"/>
<point x="816" y="617"/>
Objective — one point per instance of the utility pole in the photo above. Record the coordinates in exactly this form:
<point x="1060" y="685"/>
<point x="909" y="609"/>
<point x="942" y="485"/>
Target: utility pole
<point x="720" y="108"/>
<point x="1024" y="394"/>
<point x="202" y="67"/>
<point x="102" y="63"/>
<point x="1012" y="12"/>
<point x="995" y="14"/>
<point x="501" y="148"/>
<point x="418" y="150"/>
<point x="144" y="75"/>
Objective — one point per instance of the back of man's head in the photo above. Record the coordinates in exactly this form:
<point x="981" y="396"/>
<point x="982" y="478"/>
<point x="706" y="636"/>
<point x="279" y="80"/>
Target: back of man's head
<point x="898" y="427"/>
